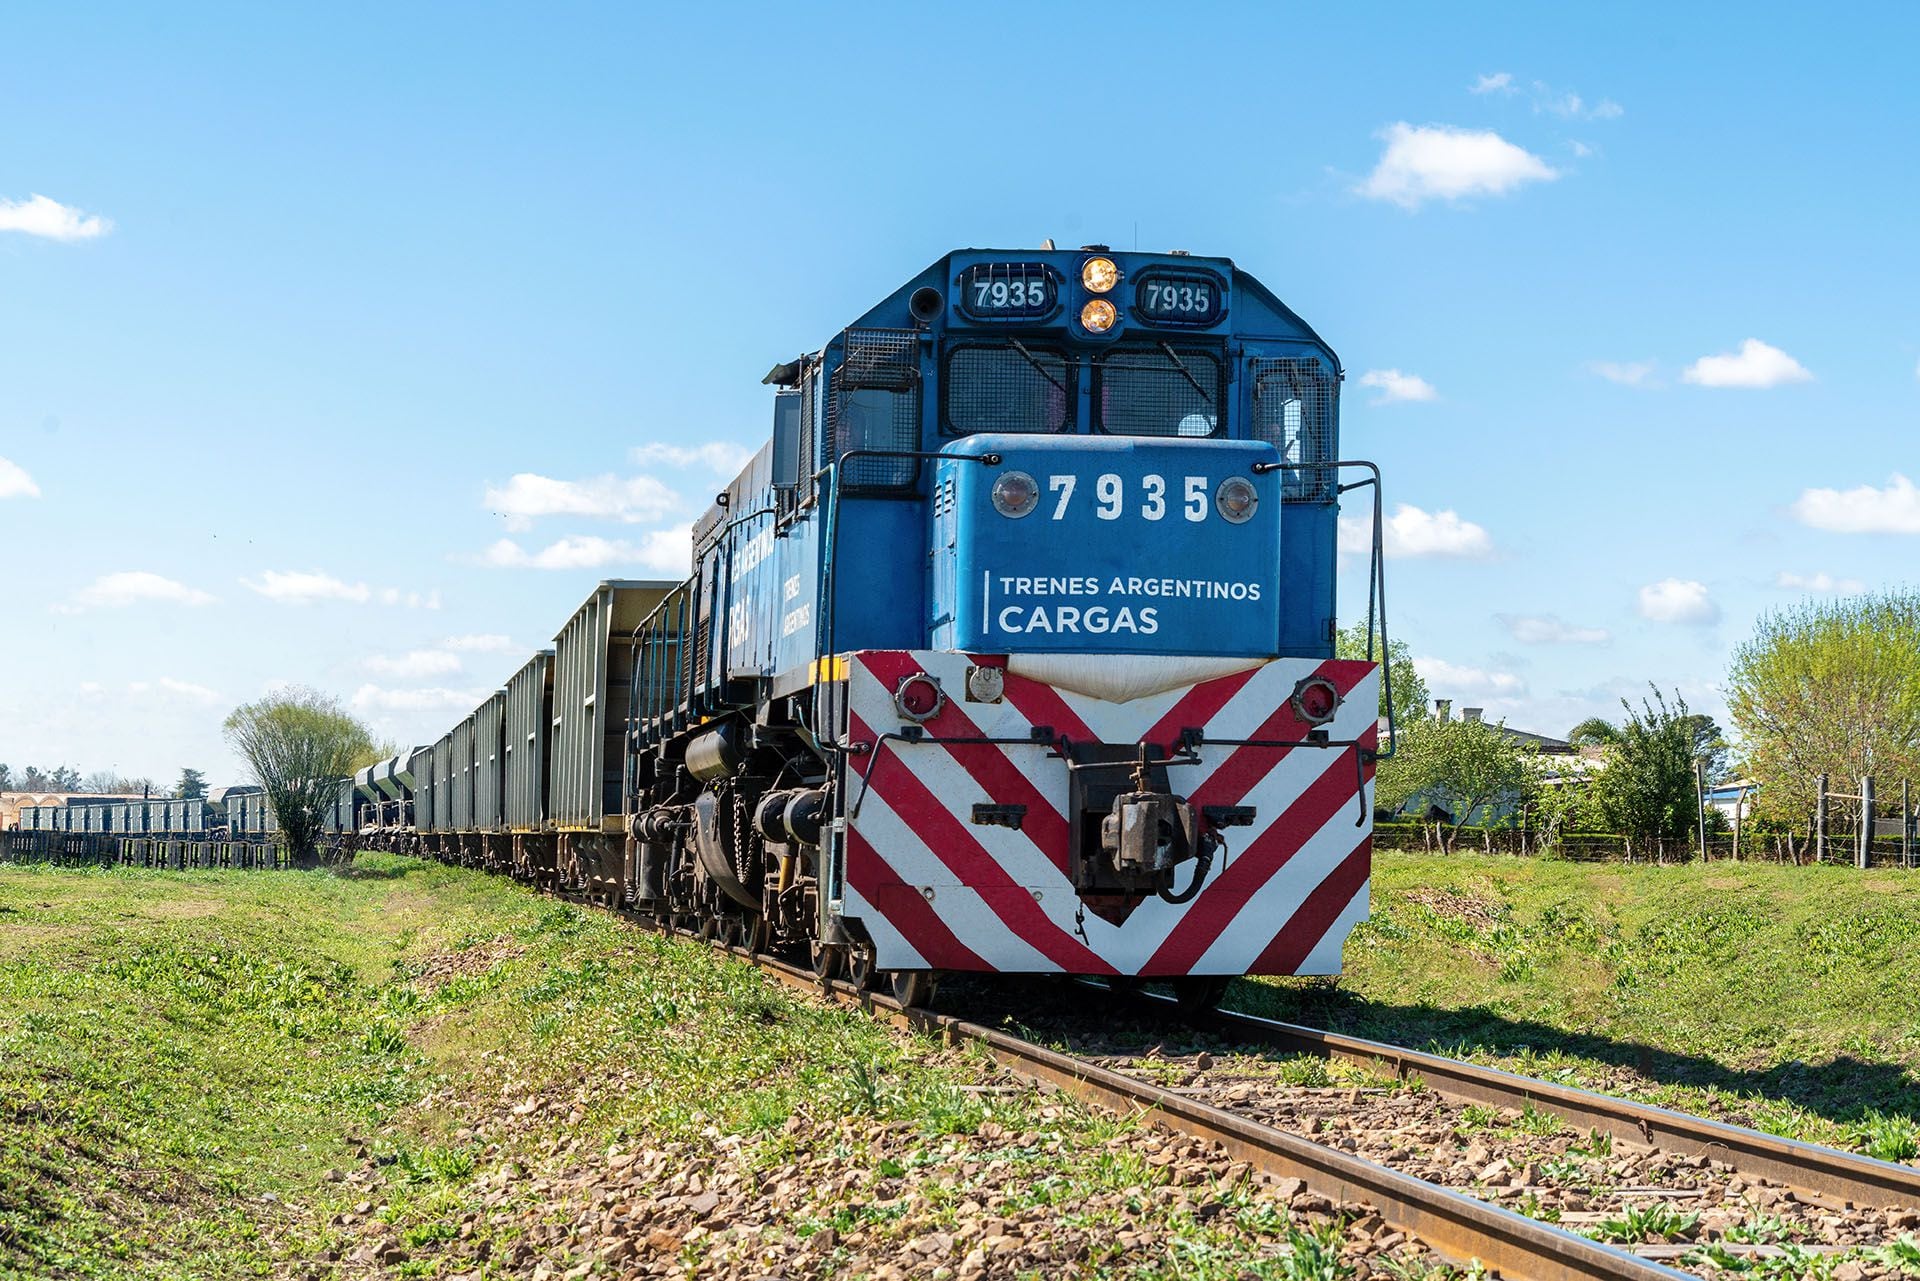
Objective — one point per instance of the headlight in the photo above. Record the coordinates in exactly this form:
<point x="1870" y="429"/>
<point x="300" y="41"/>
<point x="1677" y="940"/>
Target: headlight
<point x="1236" y="498"/>
<point x="1099" y="275"/>
<point x="1015" y="494"/>
<point x="1098" y="316"/>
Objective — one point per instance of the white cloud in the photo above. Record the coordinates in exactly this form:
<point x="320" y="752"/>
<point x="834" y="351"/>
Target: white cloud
<point x="723" y="456"/>
<point x="1499" y="82"/>
<point x="527" y="497"/>
<point x="1678" y="600"/>
<point x="1862" y="510"/>
<point x="478" y="643"/>
<point x="1571" y="106"/>
<point x="374" y="698"/>
<point x="168" y="685"/>
<point x="1628" y="373"/>
<point x="1818" y="582"/>
<point x="303" y="587"/>
<point x="1440" y="162"/>
<point x="39" y="216"/>
<point x="1410" y="531"/>
<point x="1456" y="681"/>
<point x="1756" y="364"/>
<point x="665" y="551"/>
<point x="1545" y="629"/>
<point x="1396" y="386"/>
<point x="14" y="481"/>
<point x="412" y="600"/>
<point x="415" y="664"/>
<point x="113" y="591"/>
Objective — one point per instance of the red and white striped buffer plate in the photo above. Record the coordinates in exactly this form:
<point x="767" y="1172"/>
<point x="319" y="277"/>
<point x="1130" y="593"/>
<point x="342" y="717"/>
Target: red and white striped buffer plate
<point x="935" y="890"/>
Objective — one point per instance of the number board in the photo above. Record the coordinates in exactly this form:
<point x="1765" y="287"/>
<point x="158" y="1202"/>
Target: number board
<point x="1178" y="298"/>
<point x="1008" y="291"/>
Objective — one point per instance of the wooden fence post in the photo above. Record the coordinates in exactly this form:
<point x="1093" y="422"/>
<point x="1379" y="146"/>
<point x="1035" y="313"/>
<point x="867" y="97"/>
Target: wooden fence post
<point x="1820" y="820"/>
<point x="1906" y="825"/>
<point x="1700" y="803"/>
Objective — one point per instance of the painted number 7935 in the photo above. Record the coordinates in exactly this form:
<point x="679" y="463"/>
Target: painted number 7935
<point x="1151" y="496"/>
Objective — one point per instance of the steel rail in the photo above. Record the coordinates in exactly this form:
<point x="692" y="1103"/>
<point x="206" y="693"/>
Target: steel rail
<point x="1822" y="1172"/>
<point x="1461" y="1227"/>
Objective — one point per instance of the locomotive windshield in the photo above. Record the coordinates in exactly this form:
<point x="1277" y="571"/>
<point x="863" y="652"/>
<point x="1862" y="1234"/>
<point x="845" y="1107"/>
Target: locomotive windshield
<point x="1137" y="389"/>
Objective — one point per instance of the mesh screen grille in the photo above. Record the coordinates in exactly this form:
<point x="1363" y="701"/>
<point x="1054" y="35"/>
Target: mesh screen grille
<point x="809" y="429"/>
<point x="998" y="387"/>
<point x="876" y="405"/>
<point x="1143" y="391"/>
<point x="1293" y="404"/>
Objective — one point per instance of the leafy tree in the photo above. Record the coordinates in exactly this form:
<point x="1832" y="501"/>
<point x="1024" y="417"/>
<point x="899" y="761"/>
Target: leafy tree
<point x="1410" y="693"/>
<point x="299" y="744"/>
<point x="1594" y="731"/>
<point x="1828" y="687"/>
<point x="64" y="779"/>
<point x="1647" y="789"/>
<point x="35" y="781"/>
<point x="1458" y="765"/>
<point x="192" y="785"/>
<point x="1710" y="746"/>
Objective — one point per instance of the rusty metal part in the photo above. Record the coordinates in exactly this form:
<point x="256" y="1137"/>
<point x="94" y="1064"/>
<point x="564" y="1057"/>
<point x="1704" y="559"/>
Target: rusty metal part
<point x="1457" y="1225"/>
<point x="1823" y="1172"/>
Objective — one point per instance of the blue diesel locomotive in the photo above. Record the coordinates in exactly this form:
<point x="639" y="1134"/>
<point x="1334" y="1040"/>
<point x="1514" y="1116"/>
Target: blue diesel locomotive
<point x="1013" y="648"/>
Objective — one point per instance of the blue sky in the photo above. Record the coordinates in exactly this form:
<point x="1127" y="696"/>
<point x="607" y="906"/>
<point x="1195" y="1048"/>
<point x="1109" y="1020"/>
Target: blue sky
<point x="350" y="346"/>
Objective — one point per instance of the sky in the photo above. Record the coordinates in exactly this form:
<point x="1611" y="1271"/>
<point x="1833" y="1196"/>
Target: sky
<point x="350" y="345"/>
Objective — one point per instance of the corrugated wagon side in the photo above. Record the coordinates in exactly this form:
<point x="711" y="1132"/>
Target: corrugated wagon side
<point x="592" y="682"/>
<point x="529" y="722"/>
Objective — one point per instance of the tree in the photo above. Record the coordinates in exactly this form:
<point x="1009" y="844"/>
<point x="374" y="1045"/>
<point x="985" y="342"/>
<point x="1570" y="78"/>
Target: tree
<point x="299" y="744"/>
<point x="1459" y="766"/>
<point x="64" y="779"/>
<point x="1410" y="693"/>
<point x="1710" y="746"/>
<point x="1828" y="687"/>
<point x="192" y="785"/>
<point x="1594" y="731"/>
<point x="6" y="779"/>
<point x="35" y="781"/>
<point x="1647" y="789"/>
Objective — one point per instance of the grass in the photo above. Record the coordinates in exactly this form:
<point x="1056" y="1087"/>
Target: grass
<point x="1786" y="998"/>
<point x="225" y="1074"/>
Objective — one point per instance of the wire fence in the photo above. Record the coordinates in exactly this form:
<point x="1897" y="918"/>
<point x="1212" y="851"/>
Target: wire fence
<point x="1874" y="825"/>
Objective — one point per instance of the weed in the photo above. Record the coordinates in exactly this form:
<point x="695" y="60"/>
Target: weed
<point x="1597" y="1145"/>
<point x="1656" y="1222"/>
<point x="1314" y="1253"/>
<point x="1890" y="1138"/>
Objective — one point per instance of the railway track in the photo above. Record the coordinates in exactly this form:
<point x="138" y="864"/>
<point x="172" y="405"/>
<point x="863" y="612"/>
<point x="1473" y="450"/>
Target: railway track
<point x="1803" y="1187"/>
<point x="1460" y="1227"/>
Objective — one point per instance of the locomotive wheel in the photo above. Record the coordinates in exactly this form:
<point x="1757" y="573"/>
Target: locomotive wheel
<point x="823" y="960"/>
<point x="1198" y="994"/>
<point x="756" y="933"/>
<point x="860" y="971"/>
<point x="912" y="988"/>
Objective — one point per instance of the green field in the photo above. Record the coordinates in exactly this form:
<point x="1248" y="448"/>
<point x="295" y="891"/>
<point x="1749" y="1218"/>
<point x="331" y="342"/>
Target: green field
<point x="224" y="1074"/>
<point x="1783" y="997"/>
<point x="415" y="1070"/>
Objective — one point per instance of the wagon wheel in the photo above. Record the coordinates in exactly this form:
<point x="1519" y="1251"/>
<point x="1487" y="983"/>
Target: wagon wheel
<point x="756" y="933"/>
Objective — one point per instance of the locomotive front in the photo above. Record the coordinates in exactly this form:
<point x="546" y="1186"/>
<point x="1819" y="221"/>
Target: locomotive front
<point x="1033" y="595"/>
